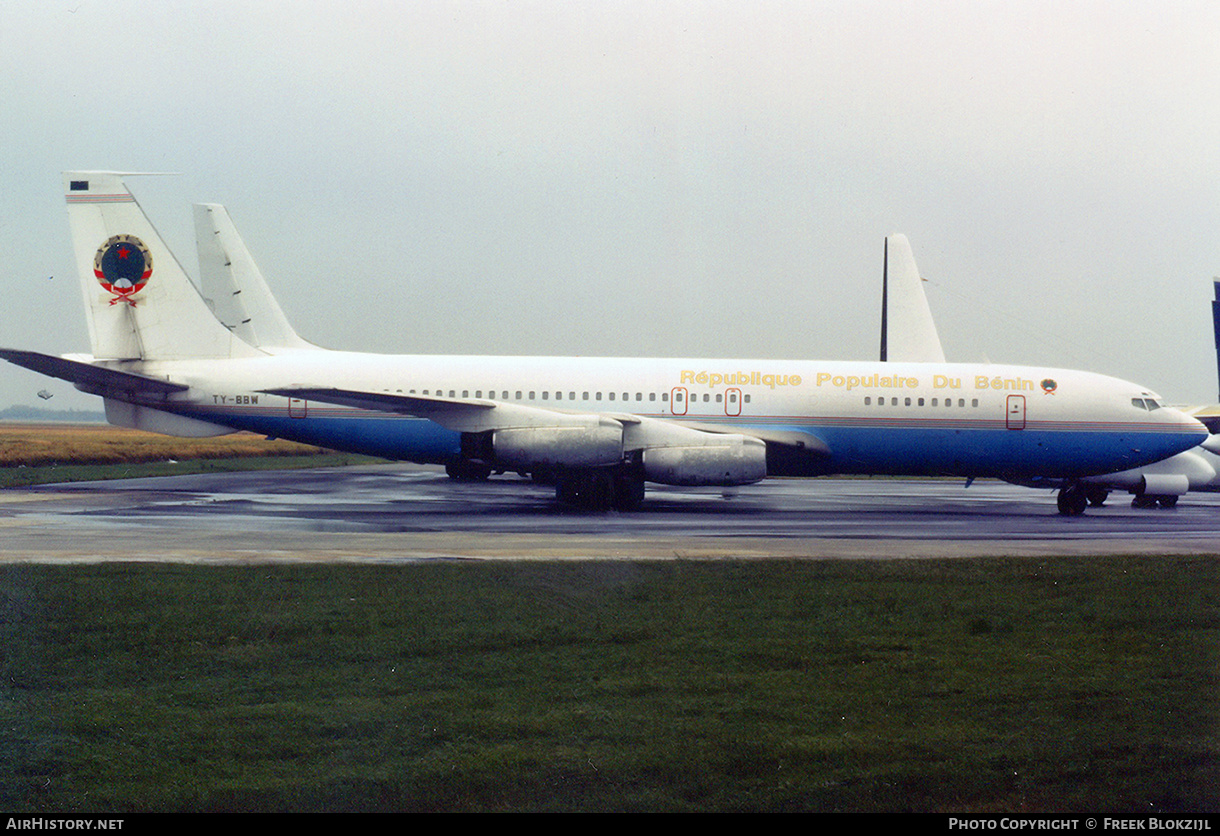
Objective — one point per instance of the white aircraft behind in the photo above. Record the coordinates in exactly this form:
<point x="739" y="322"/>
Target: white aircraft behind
<point x="909" y="332"/>
<point x="600" y="427"/>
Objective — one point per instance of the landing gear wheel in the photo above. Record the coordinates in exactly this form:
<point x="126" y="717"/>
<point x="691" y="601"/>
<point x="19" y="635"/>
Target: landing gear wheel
<point x="589" y="489"/>
<point x="1167" y="501"/>
<point x="1072" y="501"/>
<point x="468" y="471"/>
<point x="1097" y="495"/>
<point x="600" y="489"/>
<point x="628" y="491"/>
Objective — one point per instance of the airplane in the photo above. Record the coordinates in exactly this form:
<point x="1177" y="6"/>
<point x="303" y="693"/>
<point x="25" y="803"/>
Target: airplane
<point x="1162" y="483"/>
<point x="909" y="330"/>
<point x="599" y="427"/>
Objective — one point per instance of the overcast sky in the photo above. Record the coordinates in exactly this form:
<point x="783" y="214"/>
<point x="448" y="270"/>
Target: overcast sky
<point x="643" y="178"/>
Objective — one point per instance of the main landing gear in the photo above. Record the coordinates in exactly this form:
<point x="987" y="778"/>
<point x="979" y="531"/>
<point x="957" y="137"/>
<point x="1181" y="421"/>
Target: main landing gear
<point x="618" y="488"/>
<point x="600" y="488"/>
<point x="1073" y="499"/>
<point x="1145" y="500"/>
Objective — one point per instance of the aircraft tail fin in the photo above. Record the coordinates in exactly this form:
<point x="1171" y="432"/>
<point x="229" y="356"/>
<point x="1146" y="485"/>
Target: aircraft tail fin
<point x="234" y="286"/>
<point x="1216" y="321"/>
<point x="139" y="302"/>
<point x="908" y="332"/>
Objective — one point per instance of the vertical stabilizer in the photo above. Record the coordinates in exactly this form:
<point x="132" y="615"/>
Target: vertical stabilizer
<point x="908" y="332"/>
<point x="139" y="302"/>
<point x="1216" y="321"/>
<point x="231" y="281"/>
<point x="885" y="302"/>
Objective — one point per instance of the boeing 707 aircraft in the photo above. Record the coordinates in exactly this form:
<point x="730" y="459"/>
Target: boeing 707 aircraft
<point x="602" y="428"/>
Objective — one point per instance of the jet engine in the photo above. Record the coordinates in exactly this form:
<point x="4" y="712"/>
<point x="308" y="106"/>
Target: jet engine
<point x="717" y="460"/>
<point x="579" y="441"/>
<point x="531" y="447"/>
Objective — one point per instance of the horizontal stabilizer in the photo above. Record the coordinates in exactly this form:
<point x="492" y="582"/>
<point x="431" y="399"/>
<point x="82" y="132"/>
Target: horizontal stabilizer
<point x="97" y="380"/>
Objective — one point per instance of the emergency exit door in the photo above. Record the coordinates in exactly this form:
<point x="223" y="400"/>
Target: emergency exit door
<point x="1016" y="412"/>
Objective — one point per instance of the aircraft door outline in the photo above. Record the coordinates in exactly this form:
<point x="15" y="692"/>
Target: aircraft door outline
<point x="732" y="402"/>
<point x="1015" y="415"/>
<point x="679" y="399"/>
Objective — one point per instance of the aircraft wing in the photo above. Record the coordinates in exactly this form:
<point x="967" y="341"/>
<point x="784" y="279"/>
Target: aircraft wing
<point x="471" y="415"/>
<point x="91" y="378"/>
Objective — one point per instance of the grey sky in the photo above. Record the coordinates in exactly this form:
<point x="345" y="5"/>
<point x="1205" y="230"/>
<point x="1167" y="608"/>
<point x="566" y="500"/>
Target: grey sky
<point x="643" y="178"/>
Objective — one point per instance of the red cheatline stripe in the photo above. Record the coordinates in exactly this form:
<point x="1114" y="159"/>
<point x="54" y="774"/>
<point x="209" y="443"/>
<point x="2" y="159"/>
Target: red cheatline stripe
<point x="101" y="198"/>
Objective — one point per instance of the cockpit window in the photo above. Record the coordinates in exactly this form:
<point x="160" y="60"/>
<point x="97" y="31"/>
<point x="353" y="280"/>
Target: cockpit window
<point x="1138" y="403"/>
<point x="1146" y="403"/>
<point x="1152" y="403"/>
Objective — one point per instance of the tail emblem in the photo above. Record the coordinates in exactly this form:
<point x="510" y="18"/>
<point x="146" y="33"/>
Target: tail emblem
<point x="122" y="266"/>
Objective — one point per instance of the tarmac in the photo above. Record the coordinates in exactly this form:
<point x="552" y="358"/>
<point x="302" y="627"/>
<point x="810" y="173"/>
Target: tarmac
<point x="403" y="512"/>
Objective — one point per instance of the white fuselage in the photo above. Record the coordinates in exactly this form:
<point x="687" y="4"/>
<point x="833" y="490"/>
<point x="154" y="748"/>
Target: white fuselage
<point x="881" y="418"/>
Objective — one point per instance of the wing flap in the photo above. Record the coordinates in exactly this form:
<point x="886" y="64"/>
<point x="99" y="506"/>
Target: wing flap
<point x="792" y="440"/>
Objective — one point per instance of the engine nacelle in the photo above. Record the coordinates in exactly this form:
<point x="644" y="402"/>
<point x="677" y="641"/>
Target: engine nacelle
<point x="718" y="460"/>
<point x="1169" y="484"/>
<point x="578" y="446"/>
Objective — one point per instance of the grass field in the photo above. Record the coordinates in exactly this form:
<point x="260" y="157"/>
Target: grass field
<point x="1064" y="685"/>
<point x="40" y="453"/>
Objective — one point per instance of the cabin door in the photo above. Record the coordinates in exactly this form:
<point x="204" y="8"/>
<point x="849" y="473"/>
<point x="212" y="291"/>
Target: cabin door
<point x="677" y="401"/>
<point x="1016" y="412"/>
<point x="732" y="402"/>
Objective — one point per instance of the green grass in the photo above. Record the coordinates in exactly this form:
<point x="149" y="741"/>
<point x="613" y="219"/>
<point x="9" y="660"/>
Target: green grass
<point x="987" y="686"/>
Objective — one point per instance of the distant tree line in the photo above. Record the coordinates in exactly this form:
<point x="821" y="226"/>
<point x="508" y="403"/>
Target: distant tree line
<point x="33" y="413"/>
